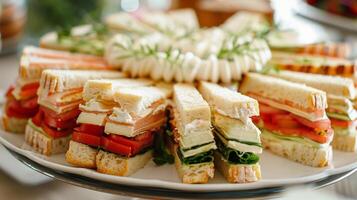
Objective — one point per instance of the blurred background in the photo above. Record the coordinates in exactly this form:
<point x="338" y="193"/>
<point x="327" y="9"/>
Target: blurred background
<point x="23" y="22"/>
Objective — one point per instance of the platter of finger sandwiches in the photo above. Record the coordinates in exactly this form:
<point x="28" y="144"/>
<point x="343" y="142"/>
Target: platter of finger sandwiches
<point x="153" y="100"/>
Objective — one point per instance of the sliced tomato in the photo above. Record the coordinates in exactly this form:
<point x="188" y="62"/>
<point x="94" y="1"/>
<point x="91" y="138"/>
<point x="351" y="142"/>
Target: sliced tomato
<point x="136" y="144"/>
<point x="148" y="135"/>
<point x="63" y="116"/>
<point x="30" y="103"/>
<point x="115" y="147"/>
<point x="55" y="133"/>
<point x="88" y="139"/>
<point x="255" y="119"/>
<point x="285" y="121"/>
<point x="37" y="119"/>
<point x="14" y="109"/>
<point x="59" y="123"/>
<point x="91" y="129"/>
<point x="302" y="131"/>
<point x="265" y="109"/>
<point x="10" y="90"/>
<point x="30" y="86"/>
<point x="342" y="123"/>
<point x="318" y="125"/>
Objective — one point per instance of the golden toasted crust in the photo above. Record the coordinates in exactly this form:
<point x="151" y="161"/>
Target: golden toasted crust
<point x="44" y="144"/>
<point x="344" y="143"/>
<point x="81" y="155"/>
<point x="113" y="164"/>
<point x="192" y="174"/>
<point x="237" y="173"/>
<point x="13" y="124"/>
<point x="307" y="155"/>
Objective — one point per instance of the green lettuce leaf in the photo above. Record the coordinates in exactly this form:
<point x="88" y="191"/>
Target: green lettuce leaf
<point x="196" y="159"/>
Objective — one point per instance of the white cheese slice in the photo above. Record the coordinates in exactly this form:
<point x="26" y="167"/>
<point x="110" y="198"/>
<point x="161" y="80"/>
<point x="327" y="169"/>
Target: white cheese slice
<point x="92" y="118"/>
<point x="236" y="129"/>
<point x="198" y="150"/>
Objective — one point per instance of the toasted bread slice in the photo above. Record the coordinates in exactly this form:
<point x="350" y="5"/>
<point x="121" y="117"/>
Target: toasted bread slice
<point x="237" y="173"/>
<point x="13" y="124"/>
<point x="296" y="98"/>
<point x="81" y="155"/>
<point x="35" y="137"/>
<point x="113" y="164"/>
<point x="299" y="152"/>
<point x="333" y="85"/>
<point x="344" y="142"/>
<point x="192" y="174"/>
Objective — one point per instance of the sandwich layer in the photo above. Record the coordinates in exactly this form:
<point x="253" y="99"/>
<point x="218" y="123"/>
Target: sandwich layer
<point x="113" y="164"/>
<point x="35" y="137"/>
<point x="237" y="173"/>
<point x="344" y="142"/>
<point x="297" y="151"/>
<point x="296" y="98"/>
<point x="333" y="85"/>
<point x="228" y="102"/>
<point x="81" y="155"/>
<point x="13" y="124"/>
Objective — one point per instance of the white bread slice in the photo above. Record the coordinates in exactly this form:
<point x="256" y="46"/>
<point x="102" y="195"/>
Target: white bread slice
<point x="56" y="81"/>
<point x="301" y="153"/>
<point x="189" y="104"/>
<point x="44" y="144"/>
<point x="191" y="174"/>
<point x="55" y="54"/>
<point x="81" y="155"/>
<point x="137" y="100"/>
<point x="13" y="124"/>
<point x="104" y="89"/>
<point x="31" y="67"/>
<point x="228" y="102"/>
<point x="342" y="105"/>
<point x="313" y="64"/>
<point x="296" y="98"/>
<point x="237" y="173"/>
<point x="346" y="143"/>
<point x="113" y="164"/>
<point x="330" y="84"/>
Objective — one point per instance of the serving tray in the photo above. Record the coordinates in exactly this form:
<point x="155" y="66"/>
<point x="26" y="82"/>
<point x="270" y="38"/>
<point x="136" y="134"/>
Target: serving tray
<point x="278" y="174"/>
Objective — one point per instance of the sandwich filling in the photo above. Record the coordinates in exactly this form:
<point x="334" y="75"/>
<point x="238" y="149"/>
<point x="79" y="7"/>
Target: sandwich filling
<point x="283" y="125"/>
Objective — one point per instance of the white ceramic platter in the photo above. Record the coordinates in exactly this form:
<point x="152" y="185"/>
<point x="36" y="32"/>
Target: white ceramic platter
<point x="276" y="171"/>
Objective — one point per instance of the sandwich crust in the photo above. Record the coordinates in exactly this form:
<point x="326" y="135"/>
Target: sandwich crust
<point x="344" y="142"/>
<point x="81" y="155"/>
<point x="13" y="124"/>
<point x="113" y="164"/>
<point x="237" y="173"/>
<point x="307" y="155"/>
<point x="44" y="144"/>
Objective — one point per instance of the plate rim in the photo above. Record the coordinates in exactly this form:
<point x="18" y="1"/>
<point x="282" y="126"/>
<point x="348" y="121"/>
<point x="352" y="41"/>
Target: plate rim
<point x="132" y="181"/>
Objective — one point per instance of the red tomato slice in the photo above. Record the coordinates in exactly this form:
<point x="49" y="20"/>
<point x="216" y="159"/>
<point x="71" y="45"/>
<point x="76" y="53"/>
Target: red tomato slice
<point x="30" y="86"/>
<point x="87" y="139"/>
<point x="319" y="125"/>
<point x="58" y="123"/>
<point x="341" y="123"/>
<point x="14" y="109"/>
<point x="30" y="103"/>
<point x="91" y="129"/>
<point x="148" y="135"/>
<point x="255" y="119"/>
<point x="136" y="145"/>
<point x="54" y="132"/>
<point x="63" y="116"/>
<point x="115" y="147"/>
<point x="285" y="121"/>
<point x="9" y="91"/>
<point x="302" y="131"/>
<point x="31" y="92"/>
<point x="265" y="109"/>
<point x="37" y="119"/>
